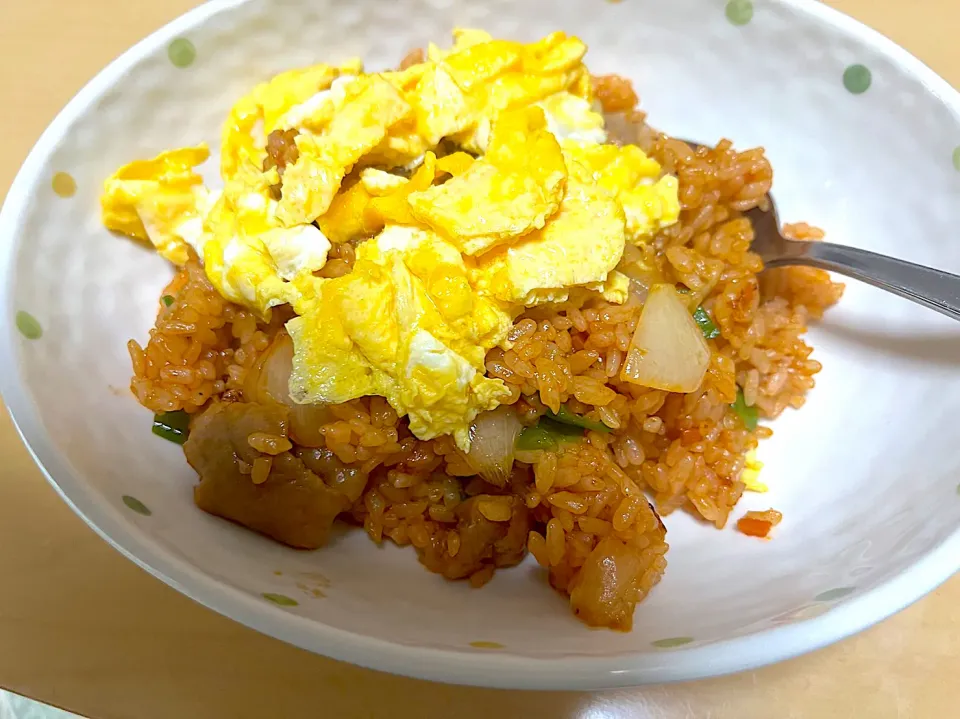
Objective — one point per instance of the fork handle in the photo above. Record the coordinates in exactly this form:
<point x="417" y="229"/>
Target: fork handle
<point x="931" y="288"/>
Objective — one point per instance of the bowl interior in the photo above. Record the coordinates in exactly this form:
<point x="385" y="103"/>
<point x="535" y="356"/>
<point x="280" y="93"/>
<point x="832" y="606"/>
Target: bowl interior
<point x="865" y="474"/>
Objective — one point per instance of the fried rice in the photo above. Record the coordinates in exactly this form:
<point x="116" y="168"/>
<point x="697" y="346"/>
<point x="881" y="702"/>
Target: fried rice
<point x="581" y="511"/>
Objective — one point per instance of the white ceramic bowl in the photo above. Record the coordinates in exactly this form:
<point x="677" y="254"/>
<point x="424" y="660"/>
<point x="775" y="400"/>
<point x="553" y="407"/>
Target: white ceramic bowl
<point x="866" y="475"/>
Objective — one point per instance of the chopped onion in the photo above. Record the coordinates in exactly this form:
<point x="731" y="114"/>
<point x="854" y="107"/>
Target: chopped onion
<point x="493" y="435"/>
<point x="668" y="350"/>
<point x="306" y="421"/>
<point x="638" y="292"/>
<point x="268" y="381"/>
<point x="642" y="275"/>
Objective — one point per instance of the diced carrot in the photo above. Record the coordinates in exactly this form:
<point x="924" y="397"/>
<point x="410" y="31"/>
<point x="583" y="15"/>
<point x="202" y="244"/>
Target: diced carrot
<point x="754" y="527"/>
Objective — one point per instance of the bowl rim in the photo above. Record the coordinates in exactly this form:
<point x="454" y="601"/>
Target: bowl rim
<point x="490" y="669"/>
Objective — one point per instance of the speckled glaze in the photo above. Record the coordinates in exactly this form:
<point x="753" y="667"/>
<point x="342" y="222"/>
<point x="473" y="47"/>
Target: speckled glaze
<point x="866" y="475"/>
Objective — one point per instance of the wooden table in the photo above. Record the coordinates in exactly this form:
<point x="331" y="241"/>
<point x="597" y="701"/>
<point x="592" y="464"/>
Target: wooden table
<point x="83" y="628"/>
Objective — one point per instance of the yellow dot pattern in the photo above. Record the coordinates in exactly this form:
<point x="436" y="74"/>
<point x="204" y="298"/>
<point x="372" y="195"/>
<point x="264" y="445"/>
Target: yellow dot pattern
<point x="64" y="185"/>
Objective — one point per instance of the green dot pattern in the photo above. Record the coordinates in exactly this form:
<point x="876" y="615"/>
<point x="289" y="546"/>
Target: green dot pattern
<point x="832" y="594"/>
<point x="136" y="505"/>
<point x="671" y="642"/>
<point x="182" y="53"/>
<point x="281" y="599"/>
<point x="28" y="325"/>
<point x="740" y="12"/>
<point x="956" y="158"/>
<point x="857" y="79"/>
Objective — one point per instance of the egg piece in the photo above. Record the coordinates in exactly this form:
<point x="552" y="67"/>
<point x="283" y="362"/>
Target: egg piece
<point x="289" y="90"/>
<point x="379" y="183"/>
<point x="546" y="67"/>
<point x="296" y="250"/>
<point x="159" y="200"/>
<point x="578" y="247"/>
<point x="474" y="65"/>
<point x="750" y="476"/>
<point x="370" y="107"/>
<point x="615" y="289"/>
<point x="256" y="115"/>
<point x="455" y="163"/>
<point x="572" y="118"/>
<point x="355" y="214"/>
<point x="442" y="108"/>
<point x="466" y="321"/>
<point x="465" y="88"/>
<point x="358" y="212"/>
<point x="406" y="80"/>
<point x="394" y="208"/>
<point x="328" y="364"/>
<point x="509" y="192"/>
<point x="379" y="198"/>
<point x="443" y="392"/>
<point x="255" y="266"/>
<point x="556" y="52"/>
<point x="463" y="38"/>
<point x="402" y="146"/>
<point x="511" y="91"/>
<point x="650" y="208"/>
<point x="650" y="201"/>
<point x="438" y="109"/>
<point x="247" y="255"/>
<point x="317" y="110"/>
<point x="404" y="324"/>
<point x="347" y="219"/>
<point x="613" y="168"/>
<point x="243" y="140"/>
<point x="407" y="141"/>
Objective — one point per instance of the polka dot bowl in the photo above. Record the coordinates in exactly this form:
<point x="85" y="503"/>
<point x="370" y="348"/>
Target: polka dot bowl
<point x="865" y="142"/>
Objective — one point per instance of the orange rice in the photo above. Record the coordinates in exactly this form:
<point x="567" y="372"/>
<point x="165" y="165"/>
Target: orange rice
<point x="581" y="511"/>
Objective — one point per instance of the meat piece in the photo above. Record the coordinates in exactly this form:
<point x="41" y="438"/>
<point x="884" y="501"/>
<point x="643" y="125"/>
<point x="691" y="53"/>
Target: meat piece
<point x="349" y="481"/>
<point x="292" y="504"/>
<point x="482" y="542"/>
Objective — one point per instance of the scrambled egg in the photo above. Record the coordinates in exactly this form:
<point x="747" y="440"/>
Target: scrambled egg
<point x="249" y="256"/>
<point x="512" y="190"/>
<point x="750" y="475"/>
<point x="544" y="265"/>
<point x="161" y="201"/>
<point x="570" y="117"/>
<point x="473" y="185"/>
<point x="480" y="77"/>
<point x="258" y="114"/>
<point x="405" y="324"/>
<point x="370" y="106"/>
<point x="649" y="201"/>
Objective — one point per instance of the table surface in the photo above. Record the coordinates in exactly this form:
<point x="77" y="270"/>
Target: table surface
<point x="83" y="628"/>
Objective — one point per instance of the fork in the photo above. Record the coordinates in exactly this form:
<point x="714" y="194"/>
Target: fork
<point x="926" y="286"/>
